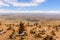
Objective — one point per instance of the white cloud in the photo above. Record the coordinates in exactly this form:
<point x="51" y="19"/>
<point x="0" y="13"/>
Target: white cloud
<point x="3" y="4"/>
<point x="16" y="3"/>
<point x="18" y="11"/>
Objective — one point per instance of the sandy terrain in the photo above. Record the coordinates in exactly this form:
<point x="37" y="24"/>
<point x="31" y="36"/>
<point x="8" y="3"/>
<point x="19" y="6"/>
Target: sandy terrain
<point x="29" y="30"/>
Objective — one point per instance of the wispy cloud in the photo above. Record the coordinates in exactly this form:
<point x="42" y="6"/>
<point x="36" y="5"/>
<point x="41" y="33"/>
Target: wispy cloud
<point x="16" y="3"/>
<point x="2" y="3"/>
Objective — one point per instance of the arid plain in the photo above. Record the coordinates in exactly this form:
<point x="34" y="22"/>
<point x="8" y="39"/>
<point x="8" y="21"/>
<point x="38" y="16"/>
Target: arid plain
<point x="13" y="27"/>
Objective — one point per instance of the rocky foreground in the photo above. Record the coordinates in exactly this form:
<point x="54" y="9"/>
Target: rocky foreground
<point x="29" y="30"/>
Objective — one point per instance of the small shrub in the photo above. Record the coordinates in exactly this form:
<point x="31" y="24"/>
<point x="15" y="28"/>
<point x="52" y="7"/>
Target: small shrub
<point x="32" y="32"/>
<point x="21" y="28"/>
<point x="37" y="36"/>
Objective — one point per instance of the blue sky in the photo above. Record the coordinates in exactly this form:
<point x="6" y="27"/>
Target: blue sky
<point x="30" y="5"/>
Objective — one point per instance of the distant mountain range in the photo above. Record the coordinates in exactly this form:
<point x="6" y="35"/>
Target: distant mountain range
<point x="52" y="16"/>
